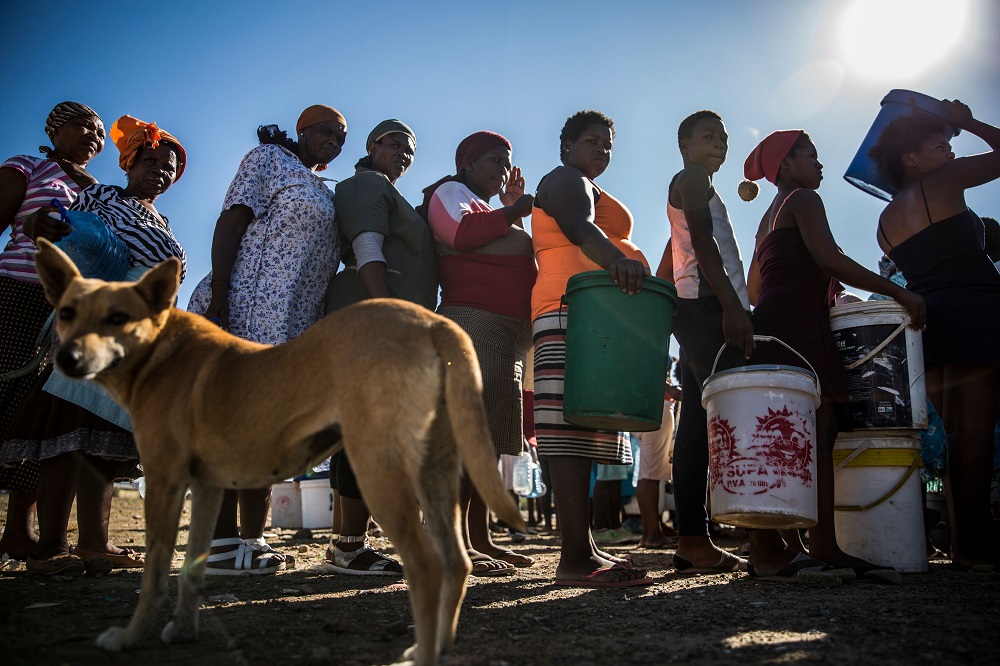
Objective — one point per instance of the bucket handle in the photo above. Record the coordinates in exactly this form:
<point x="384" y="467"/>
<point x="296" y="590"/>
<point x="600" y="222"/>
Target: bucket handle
<point x="562" y="307"/>
<point x="771" y="338"/>
<point x="854" y="454"/>
<point x="870" y="355"/>
<point x="914" y="466"/>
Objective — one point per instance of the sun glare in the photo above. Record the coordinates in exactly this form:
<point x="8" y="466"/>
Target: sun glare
<point x="899" y="40"/>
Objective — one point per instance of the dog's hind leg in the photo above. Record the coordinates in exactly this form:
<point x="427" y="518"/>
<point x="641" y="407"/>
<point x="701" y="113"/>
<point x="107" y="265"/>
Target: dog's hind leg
<point x="205" y="503"/>
<point x="164" y="498"/>
<point x="438" y="495"/>
<point x="395" y="507"/>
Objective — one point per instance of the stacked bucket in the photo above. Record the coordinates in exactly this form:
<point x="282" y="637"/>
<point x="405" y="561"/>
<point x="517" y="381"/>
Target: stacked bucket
<point x="877" y="486"/>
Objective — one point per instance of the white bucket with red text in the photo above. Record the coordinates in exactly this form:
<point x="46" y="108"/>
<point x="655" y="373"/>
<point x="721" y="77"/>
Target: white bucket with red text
<point x="317" y="504"/>
<point x="878" y="508"/>
<point x="286" y="505"/>
<point x="762" y="445"/>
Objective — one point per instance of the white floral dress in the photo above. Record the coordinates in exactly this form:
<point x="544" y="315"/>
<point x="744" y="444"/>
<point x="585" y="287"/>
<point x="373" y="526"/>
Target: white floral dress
<point x="287" y="255"/>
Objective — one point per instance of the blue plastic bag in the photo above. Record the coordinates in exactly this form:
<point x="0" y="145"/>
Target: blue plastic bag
<point x="95" y="249"/>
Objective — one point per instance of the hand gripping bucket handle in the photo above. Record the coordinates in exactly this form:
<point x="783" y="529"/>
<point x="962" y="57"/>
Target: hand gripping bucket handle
<point x="771" y="338"/>
<point x="882" y="345"/>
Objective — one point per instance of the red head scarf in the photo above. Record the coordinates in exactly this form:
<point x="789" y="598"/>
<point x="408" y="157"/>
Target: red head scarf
<point x="130" y="135"/>
<point x="765" y="159"/>
<point x="475" y="146"/>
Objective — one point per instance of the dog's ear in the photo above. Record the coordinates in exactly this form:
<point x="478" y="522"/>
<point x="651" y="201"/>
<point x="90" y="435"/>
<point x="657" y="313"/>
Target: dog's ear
<point x="55" y="270"/>
<point x="158" y="287"/>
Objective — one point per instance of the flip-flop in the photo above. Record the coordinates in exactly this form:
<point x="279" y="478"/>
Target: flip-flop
<point x="488" y="571"/>
<point x="728" y="563"/>
<point x="63" y="564"/>
<point x="127" y="559"/>
<point x="627" y="582"/>
<point x="802" y="568"/>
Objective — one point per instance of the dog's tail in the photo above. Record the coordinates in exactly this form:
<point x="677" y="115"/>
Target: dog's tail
<point x="463" y="395"/>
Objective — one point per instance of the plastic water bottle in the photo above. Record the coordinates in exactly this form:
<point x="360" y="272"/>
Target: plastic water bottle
<point x="95" y="249"/>
<point x="522" y="474"/>
<point x="537" y="485"/>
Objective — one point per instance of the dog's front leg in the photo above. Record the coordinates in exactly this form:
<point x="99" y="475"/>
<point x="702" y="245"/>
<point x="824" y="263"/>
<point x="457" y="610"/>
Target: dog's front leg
<point x="164" y="499"/>
<point x="205" y="503"/>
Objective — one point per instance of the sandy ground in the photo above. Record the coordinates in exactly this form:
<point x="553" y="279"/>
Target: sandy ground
<point x="308" y="616"/>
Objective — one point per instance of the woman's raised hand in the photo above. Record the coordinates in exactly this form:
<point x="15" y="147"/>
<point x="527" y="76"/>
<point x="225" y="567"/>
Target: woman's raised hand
<point x="957" y="114"/>
<point x="513" y="189"/>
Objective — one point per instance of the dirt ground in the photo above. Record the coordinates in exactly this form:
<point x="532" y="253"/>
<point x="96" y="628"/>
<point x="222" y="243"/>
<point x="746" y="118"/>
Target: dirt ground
<point x="307" y="616"/>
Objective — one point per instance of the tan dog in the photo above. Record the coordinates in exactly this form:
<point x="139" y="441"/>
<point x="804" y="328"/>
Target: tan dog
<point x="394" y="384"/>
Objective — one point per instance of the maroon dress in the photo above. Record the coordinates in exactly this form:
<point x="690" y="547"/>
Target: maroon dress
<point x="794" y="306"/>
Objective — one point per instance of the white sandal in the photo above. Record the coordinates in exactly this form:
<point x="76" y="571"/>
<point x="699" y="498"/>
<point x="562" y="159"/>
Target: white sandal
<point x="250" y="557"/>
<point x="365" y="561"/>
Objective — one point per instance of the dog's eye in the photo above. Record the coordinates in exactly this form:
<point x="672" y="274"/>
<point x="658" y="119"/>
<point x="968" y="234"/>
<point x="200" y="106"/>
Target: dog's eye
<point x="67" y="314"/>
<point x="117" y="318"/>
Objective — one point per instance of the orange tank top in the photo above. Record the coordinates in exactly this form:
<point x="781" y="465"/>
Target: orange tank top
<point x="559" y="258"/>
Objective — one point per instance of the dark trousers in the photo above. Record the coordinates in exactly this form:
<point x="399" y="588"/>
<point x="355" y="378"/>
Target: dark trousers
<point x="698" y="329"/>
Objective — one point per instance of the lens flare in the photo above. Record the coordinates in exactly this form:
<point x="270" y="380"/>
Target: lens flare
<point x="900" y="40"/>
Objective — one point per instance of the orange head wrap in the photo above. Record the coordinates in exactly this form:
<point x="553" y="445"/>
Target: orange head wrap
<point x="319" y="113"/>
<point x="131" y="135"/>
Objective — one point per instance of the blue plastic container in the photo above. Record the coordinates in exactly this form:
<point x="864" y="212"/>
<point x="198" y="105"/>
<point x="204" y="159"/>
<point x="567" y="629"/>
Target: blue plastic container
<point x="862" y="172"/>
<point x="95" y="249"/>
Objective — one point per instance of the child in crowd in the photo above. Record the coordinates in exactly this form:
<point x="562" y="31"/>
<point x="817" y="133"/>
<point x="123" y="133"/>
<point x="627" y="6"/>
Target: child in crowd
<point x="712" y="311"/>
<point x="792" y="282"/>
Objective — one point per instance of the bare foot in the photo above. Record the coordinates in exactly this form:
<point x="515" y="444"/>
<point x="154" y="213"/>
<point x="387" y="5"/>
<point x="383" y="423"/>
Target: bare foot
<point x="495" y="552"/>
<point x="699" y="551"/>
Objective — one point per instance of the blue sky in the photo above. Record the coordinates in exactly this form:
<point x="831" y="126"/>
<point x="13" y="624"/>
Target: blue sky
<point x="211" y="72"/>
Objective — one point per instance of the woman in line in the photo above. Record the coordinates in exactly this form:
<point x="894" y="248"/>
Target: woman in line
<point x="388" y="253"/>
<point x="792" y="281"/>
<point x="275" y="249"/>
<point x="938" y="243"/>
<point x="576" y="226"/>
<point x="27" y="185"/>
<point x="487" y="272"/>
<point x="75" y="433"/>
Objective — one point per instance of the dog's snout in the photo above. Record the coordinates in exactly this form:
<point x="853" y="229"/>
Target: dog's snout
<point x="69" y="359"/>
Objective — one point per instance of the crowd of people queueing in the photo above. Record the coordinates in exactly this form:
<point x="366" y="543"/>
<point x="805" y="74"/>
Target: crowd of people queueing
<point x="289" y="248"/>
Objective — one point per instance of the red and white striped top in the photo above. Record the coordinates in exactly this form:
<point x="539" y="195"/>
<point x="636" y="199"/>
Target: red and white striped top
<point x="46" y="181"/>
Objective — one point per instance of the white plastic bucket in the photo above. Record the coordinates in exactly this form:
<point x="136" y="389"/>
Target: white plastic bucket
<point x="286" y="505"/>
<point x="879" y="511"/>
<point x="884" y="359"/>
<point x="762" y="445"/>
<point x="863" y="172"/>
<point x="317" y="504"/>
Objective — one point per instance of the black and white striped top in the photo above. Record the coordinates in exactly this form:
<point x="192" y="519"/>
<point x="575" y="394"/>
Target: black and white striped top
<point x="149" y="240"/>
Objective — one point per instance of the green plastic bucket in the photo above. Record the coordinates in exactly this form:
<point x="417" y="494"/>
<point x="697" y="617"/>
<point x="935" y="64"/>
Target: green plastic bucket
<point x="617" y="352"/>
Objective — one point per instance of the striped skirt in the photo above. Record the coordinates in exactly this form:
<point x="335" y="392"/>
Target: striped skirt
<point x="501" y="343"/>
<point x="556" y="437"/>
